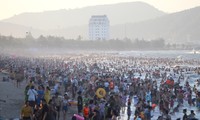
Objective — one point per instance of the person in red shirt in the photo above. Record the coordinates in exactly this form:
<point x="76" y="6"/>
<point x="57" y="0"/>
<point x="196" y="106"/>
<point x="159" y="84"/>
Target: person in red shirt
<point x="86" y="110"/>
<point x="111" y="85"/>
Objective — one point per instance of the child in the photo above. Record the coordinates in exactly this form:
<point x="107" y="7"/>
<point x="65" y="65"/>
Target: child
<point x="86" y="111"/>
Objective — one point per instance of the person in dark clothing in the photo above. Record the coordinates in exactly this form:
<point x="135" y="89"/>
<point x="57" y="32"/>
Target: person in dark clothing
<point x="45" y="110"/>
<point x="166" y="115"/>
<point x="108" y="112"/>
<point x="52" y="111"/>
<point x="80" y="102"/>
<point x="96" y="115"/>
<point x="137" y="112"/>
<point x="129" y="112"/>
<point x="192" y="116"/>
<point x="185" y="116"/>
<point x="73" y="118"/>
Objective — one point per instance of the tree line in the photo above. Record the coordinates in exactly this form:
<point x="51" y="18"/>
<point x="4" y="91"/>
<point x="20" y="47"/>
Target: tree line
<point x="53" y="42"/>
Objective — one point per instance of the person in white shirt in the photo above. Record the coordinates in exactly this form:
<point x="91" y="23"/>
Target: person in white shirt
<point x="56" y="88"/>
<point x="116" y="89"/>
<point x="106" y="85"/>
<point x="32" y="93"/>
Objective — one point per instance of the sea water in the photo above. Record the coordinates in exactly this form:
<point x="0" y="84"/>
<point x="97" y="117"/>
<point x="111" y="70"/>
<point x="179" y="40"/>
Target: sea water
<point x="181" y="55"/>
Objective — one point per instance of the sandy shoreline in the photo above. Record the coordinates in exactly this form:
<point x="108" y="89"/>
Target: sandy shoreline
<point x="15" y="99"/>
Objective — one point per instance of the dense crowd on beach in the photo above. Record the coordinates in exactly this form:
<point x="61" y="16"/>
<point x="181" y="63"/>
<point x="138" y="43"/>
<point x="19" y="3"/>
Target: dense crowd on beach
<point x="104" y="86"/>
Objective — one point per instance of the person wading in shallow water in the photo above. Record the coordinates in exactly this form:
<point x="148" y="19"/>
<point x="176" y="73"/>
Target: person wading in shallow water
<point x="185" y="116"/>
<point x="65" y="105"/>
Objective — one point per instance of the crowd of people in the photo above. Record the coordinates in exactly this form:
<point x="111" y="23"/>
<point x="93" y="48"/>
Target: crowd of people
<point x="104" y="86"/>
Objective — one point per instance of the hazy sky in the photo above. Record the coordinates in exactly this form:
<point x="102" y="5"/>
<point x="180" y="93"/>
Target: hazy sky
<point x="9" y="8"/>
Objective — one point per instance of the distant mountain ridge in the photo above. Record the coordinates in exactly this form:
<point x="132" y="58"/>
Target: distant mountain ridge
<point x="181" y="27"/>
<point x="120" y="13"/>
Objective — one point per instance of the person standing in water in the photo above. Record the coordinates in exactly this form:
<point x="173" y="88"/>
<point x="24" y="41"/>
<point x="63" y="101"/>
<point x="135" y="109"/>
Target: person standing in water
<point x="185" y="116"/>
<point x="65" y="104"/>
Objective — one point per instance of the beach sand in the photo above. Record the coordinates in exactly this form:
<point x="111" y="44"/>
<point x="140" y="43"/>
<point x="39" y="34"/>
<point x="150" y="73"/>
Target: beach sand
<point x="14" y="98"/>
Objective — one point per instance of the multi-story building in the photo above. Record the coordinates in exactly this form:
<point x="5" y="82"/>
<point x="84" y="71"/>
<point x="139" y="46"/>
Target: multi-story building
<point x="99" y="27"/>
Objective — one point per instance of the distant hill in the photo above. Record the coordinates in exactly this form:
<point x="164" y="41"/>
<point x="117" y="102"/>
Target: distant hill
<point x="182" y="27"/>
<point x="117" y="13"/>
<point x="10" y="29"/>
<point x="179" y="27"/>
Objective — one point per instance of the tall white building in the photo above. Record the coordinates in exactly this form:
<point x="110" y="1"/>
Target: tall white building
<point x="99" y="27"/>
